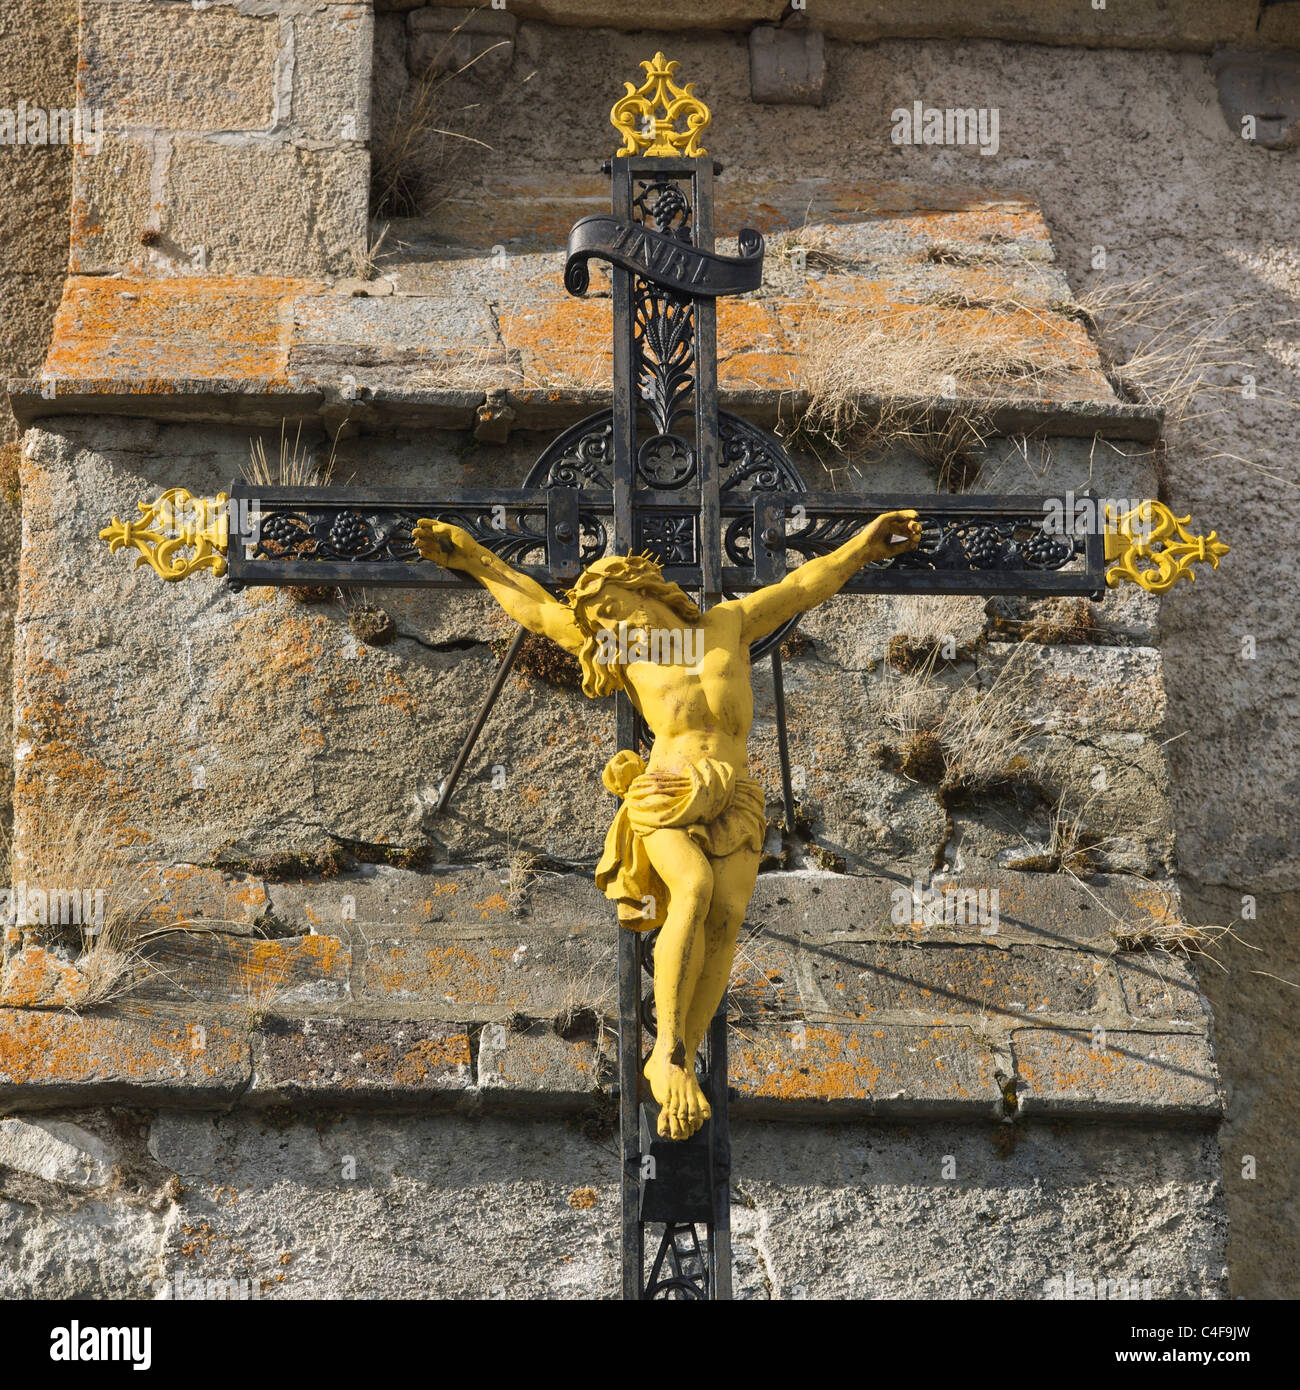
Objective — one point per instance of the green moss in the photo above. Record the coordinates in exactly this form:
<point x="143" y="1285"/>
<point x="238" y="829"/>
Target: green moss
<point x="327" y="862"/>
<point x="923" y="758"/>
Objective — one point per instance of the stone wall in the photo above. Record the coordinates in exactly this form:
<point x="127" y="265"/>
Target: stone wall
<point x="291" y="766"/>
<point x="204" y="1205"/>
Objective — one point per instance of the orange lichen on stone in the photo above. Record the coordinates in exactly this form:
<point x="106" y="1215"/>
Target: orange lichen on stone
<point x="582" y="1198"/>
<point x="451" y="973"/>
<point x="260" y="965"/>
<point x="192" y="327"/>
<point x="560" y="342"/>
<point x="35" y="978"/>
<point x="754" y="350"/>
<point x="49" y="1048"/>
<point x="432" y="1055"/>
<point x="815" y="1064"/>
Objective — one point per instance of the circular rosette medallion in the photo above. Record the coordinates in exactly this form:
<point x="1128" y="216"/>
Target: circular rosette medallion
<point x="665" y="461"/>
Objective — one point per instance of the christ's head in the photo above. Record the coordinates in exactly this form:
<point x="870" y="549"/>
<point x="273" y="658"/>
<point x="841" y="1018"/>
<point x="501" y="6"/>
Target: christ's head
<point x="622" y="589"/>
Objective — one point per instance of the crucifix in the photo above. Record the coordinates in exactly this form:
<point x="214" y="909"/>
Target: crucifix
<point x="652" y="540"/>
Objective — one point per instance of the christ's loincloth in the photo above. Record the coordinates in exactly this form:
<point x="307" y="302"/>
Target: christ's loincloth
<point x="720" y="811"/>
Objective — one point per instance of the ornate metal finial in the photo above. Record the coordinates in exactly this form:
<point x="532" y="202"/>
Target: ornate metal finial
<point x="1148" y="533"/>
<point x="635" y="116"/>
<point x="175" y="522"/>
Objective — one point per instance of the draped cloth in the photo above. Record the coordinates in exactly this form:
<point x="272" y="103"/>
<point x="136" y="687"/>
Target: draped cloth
<point x="721" y="811"/>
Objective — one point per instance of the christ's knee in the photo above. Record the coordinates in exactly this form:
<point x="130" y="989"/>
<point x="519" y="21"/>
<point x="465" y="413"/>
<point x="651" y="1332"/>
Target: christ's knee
<point x="690" y="896"/>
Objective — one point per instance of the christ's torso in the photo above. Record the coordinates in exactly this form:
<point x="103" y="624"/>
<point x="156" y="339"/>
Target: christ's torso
<point x="700" y="710"/>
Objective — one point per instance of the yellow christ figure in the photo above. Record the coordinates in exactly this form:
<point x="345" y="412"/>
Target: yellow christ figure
<point x="683" y="851"/>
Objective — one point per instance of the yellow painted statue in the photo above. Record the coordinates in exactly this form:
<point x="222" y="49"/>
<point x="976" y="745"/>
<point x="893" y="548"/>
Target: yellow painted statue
<point x="683" y="851"/>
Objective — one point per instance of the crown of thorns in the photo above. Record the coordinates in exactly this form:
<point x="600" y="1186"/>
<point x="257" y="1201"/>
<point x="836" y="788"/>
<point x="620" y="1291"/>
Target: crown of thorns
<point x="630" y="568"/>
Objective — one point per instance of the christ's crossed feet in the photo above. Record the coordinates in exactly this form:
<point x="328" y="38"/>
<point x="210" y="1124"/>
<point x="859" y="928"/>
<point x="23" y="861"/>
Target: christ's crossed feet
<point x="682" y="1106"/>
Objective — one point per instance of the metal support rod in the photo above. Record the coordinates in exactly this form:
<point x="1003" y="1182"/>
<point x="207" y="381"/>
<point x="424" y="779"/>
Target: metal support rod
<point x="783" y="739"/>
<point x="629" y="1066"/>
<point x="466" y="748"/>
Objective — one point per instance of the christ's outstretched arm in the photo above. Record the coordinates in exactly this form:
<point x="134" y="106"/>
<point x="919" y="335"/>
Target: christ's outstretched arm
<point x="817" y="580"/>
<point x="525" y="601"/>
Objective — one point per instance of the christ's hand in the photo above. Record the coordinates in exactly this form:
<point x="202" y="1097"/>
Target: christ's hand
<point x="816" y="580"/>
<point x="446" y="545"/>
<point x="878" y="541"/>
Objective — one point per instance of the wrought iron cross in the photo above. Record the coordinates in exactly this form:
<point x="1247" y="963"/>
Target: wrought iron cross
<point x="720" y="504"/>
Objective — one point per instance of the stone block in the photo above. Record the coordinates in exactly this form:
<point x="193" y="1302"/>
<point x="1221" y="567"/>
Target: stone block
<point x="255" y="975"/>
<point x="218" y="329"/>
<point x="541" y="1067"/>
<point x="51" y="1059"/>
<point x="35" y="977"/>
<point x="427" y="342"/>
<point x="1157" y="985"/>
<point x="266" y="210"/>
<point x="394" y="1062"/>
<point x="332" y="55"/>
<point x="175" y="67"/>
<point x="452" y="40"/>
<point x="855" y="1069"/>
<point x="1081" y="689"/>
<point x="943" y="982"/>
<point x="1153" y="1075"/>
<point x="523" y="972"/>
<point x="111" y="206"/>
<point x="1259" y="94"/>
<point x="55" y="1151"/>
<point x="787" y="67"/>
<point x="765" y="982"/>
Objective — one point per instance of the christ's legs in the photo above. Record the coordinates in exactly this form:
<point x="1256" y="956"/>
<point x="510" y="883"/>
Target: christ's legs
<point x="733" y="885"/>
<point x="680" y="954"/>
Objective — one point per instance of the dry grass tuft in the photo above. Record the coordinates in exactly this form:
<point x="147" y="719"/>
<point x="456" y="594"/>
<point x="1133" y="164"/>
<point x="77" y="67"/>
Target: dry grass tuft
<point x="524" y="870"/>
<point x="369" y="622"/>
<point x="81" y="855"/>
<point x="293" y="466"/>
<point x="811" y="248"/>
<point x="983" y="732"/>
<point x="947" y="253"/>
<point x="423" y="147"/>
<point x="588" y="1002"/>
<point x="1063" y="620"/>
<point x="1158" y="345"/>
<point x="872" y="383"/>
<point x="1071" y="845"/>
<point x="927" y="630"/>
<point x="1159" y="927"/>
<point x="982" y="740"/>
<point x="1166" y="348"/>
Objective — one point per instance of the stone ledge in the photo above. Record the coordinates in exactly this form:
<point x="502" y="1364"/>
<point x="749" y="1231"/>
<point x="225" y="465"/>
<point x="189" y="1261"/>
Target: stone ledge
<point x="258" y="403"/>
<point x="49" y="1058"/>
<point x="1183" y="25"/>
<point x="792" y="1070"/>
<point x="1143" y="1075"/>
<point x="359" y="1061"/>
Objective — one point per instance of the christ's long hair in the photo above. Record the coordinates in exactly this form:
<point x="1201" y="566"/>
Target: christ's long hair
<point x="636" y="572"/>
